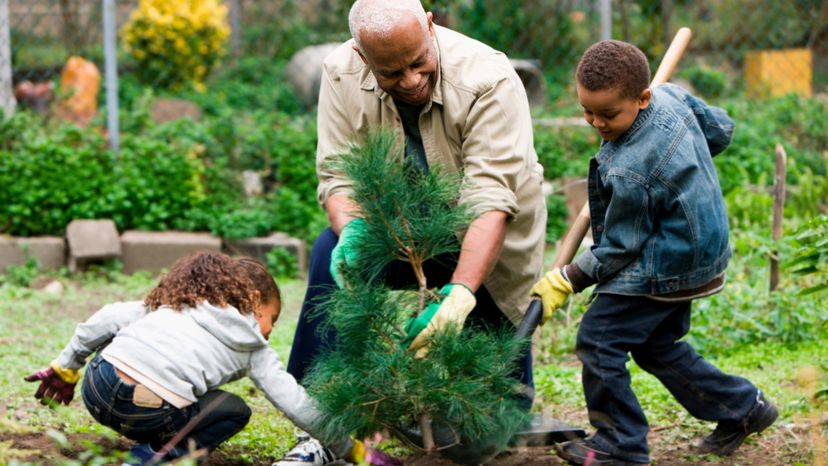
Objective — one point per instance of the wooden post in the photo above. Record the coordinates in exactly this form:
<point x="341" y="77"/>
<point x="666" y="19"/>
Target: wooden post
<point x="778" y="212"/>
<point x="7" y="101"/>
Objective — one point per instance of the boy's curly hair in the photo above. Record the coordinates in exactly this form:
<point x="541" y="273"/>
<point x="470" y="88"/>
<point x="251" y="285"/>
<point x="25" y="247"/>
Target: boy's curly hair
<point x="611" y="64"/>
<point x="213" y="277"/>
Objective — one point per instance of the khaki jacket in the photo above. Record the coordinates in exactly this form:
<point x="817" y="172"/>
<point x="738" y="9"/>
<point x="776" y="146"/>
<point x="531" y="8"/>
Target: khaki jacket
<point x="477" y="123"/>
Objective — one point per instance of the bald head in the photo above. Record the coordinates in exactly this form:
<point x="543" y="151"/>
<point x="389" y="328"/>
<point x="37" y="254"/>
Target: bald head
<point x="378" y="18"/>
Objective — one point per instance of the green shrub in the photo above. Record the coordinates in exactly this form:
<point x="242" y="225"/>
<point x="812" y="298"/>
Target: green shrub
<point x="281" y="263"/>
<point x="48" y="180"/>
<point x="706" y="81"/>
<point x="526" y="29"/>
<point x="810" y="256"/>
<point x="556" y="212"/>
<point x="566" y="150"/>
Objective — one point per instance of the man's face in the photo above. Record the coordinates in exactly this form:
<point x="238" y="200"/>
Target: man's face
<point x="405" y="62"/>
<point x="608" y="112"/>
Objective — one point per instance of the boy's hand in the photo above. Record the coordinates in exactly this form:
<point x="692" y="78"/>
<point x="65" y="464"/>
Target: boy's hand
<point x="344" y="254"/>
<point x="553" y="289"/>
<point x="452" y="310"/>
<point x="56" y="383"/>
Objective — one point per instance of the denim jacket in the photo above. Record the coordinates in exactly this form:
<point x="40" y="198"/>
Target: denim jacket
<point x="658" y="216"/>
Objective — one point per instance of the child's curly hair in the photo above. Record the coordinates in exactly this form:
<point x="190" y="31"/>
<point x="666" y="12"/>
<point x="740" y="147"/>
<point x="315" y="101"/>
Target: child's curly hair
<point x="262" y="280"/>
<point x="612" y="64"/>
<point x="213" y="277"/>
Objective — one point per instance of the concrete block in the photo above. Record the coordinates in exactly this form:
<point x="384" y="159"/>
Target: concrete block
<point x="50" y="251"/>
<point x="91" y="240"/>
<point x="152" y="251"/>
<point x="258" y="248"/>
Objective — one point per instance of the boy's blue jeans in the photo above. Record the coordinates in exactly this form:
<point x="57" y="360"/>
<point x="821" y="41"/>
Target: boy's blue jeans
<point x="309" y="342"/>
<point x="215" y="417"/>
<point x="615" y="326"/>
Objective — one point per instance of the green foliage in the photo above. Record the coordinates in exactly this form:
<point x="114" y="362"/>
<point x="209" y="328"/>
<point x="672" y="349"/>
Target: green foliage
<point x="707" y="82"/>
<point x="371" y="382"/>
<point x="795" y="122"/>
<point x="556" y="217"/>
<point x="410" y="216"/>
<point x="811" y="254"/>
<point x="281" y="263"/>
<point x="526" y="29"/>
<point x="48" y="179"/>
<point x="565" y="150"/>
<point x="22" y="275"/>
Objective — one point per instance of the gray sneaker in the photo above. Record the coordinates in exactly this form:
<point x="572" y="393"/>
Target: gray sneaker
<point x="729" y="435"/>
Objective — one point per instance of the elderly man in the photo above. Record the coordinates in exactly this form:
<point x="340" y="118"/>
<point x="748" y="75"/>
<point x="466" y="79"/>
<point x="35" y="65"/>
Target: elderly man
<point x="457" y="104"/>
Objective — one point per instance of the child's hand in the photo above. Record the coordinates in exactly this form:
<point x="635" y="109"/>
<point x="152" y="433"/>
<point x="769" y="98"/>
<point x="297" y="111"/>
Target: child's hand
<point x="56" y="383"/>
<point x="553" y="289"/>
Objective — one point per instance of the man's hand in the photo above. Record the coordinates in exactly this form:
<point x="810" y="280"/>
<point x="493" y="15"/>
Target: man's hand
<point x="456" y="305"/>
<point x="344" y="253"/>
<point x="553" y="289"/>
<point x="56" y="383"/>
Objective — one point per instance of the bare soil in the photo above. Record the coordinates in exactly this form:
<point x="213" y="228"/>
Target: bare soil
<point x="780" y="446"/>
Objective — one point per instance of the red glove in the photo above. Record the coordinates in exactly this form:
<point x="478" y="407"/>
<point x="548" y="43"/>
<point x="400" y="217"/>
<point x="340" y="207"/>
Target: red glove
<point x="56" y="383"/>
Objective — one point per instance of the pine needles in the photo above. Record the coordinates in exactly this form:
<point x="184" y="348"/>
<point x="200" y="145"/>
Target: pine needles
<point x="368" y="381"/>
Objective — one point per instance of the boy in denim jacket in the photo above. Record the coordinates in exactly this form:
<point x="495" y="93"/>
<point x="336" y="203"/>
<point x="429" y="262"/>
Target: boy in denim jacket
<point x="661" y="240"/>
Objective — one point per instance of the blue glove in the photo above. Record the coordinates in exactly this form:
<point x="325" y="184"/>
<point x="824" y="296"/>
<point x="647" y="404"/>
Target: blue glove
<point x="344" y="254"/>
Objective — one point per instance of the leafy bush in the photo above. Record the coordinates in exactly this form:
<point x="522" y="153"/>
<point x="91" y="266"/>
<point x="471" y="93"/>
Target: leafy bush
<point x="799" y="124"/>
<point x="56" y="174"/>
<point x="706" y="81"/>
<point x="811" y="253"/>
<point x="176" y="42"/>
<point x="48" y="180"/>
<point x="566" y="150"/>
<point x="281" y="263"/>
<point x="526" y="29"/>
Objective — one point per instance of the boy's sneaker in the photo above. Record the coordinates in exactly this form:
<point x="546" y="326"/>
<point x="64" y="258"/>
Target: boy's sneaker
<point x="309" y="452"/>
<point x="585" y="452"/>
<point x="729" y="435"/>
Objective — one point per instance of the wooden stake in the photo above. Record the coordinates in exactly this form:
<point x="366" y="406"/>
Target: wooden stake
<point x="778" y="212"/>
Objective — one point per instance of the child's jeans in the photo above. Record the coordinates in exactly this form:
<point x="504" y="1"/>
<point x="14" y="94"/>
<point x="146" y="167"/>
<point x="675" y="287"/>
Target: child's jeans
<point x="214" y="418"/>
<point x="615" y="326"/>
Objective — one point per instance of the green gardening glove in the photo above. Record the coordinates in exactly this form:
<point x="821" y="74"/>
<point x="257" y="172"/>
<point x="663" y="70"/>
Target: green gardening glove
<point x="344" y="254"/>
<point x="458" y="301"/>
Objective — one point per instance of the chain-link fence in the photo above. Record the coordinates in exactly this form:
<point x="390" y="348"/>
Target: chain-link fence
<point x="756" y="47"/>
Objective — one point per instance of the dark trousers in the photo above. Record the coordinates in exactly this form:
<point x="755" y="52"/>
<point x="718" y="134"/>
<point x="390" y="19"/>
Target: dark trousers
<point x="615" y="326"/>
<point x="309" y="342"/>
<point x="218" y="415"/>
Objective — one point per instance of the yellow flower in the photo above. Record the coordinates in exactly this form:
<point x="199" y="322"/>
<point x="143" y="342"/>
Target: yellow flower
<point x="160" y="36"/>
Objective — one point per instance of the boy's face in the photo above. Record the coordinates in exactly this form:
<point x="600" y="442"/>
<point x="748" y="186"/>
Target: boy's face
<point x="608" y="112"/>
<point x="266" y="316"/>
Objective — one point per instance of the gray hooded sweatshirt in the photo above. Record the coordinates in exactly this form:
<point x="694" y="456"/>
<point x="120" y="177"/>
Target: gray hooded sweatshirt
<point x="191" y="352"/>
